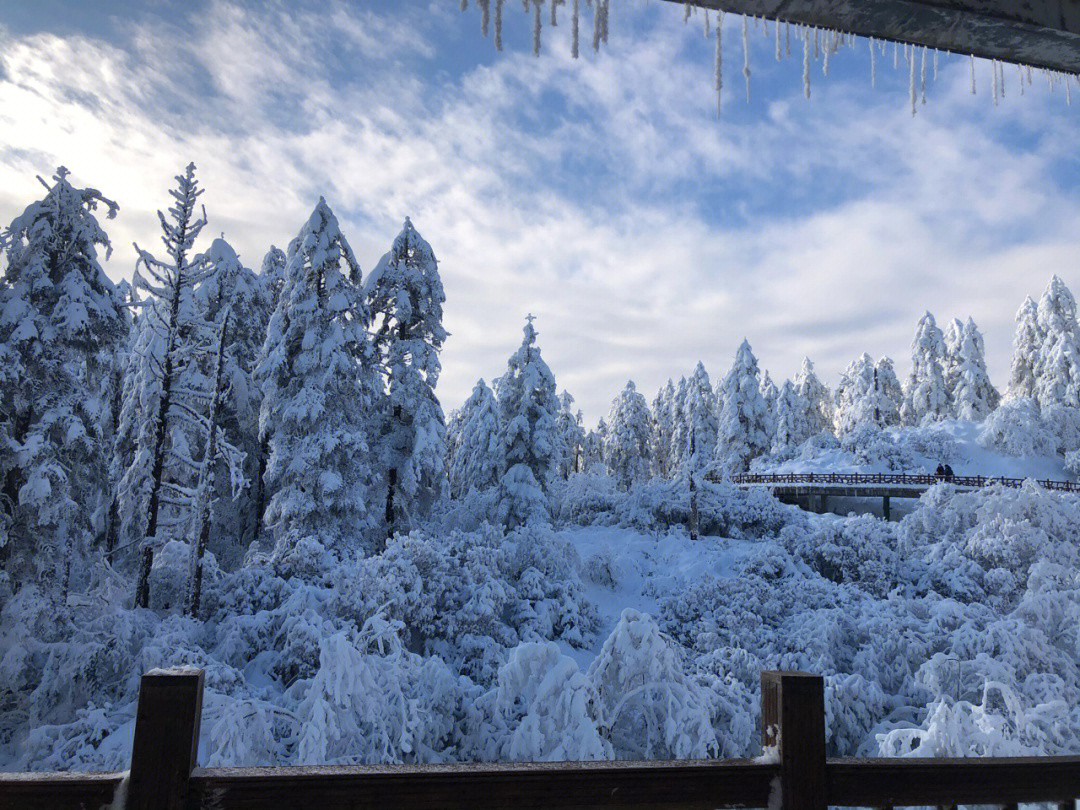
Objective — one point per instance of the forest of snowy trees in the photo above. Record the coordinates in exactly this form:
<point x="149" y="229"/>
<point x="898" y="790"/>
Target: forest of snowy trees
<point x="252" y="472"/>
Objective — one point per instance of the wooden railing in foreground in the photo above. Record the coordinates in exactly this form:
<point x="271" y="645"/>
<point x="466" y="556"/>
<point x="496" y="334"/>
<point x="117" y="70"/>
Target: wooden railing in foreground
<point x="892" y="479"/>
<point x="798" y="777"/>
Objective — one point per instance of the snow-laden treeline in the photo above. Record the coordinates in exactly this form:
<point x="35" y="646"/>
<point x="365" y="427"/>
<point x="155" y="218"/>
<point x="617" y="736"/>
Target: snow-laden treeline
<point x="252" y="473"/>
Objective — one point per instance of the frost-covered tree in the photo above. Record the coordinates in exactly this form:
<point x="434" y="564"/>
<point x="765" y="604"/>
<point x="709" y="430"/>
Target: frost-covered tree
<point x="889" y="393"/>
<point x="1027" y="347"/>
<point x="1057" y="372"/>
<point x="693" y="442"/>
<point x="792" y="419"/>
<point x="925" y="395"/>
<point x="405" y="297"/>
<point x="769" y="392"/>
<point x="163" y="426"/>
<point x="592" y="448"/>
<point x="953" y="338"/>
<point x="860" y="397"/>
<point x="476" y="460"/>
<point x="61" y="326"/>
<point x="974" y="395"/>
<point x="571" y="437"/>
<point x="319" y="381"/>
<point x="663" y="426"/>
<point x="528" y="434"/>
<point x="815" y="394"/>
<point x="272" y="276"/>
<point x="233" y="288"/>
<point x="626" y="449"/>
<point x="744" y="421"/>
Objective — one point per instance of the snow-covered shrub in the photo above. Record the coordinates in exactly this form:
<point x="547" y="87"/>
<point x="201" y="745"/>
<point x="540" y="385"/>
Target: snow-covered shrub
<point x="875" y="447"/>
<point x="1016" y="429"/>
<point x="860" y="550"/>
<point x="585" y="499"/>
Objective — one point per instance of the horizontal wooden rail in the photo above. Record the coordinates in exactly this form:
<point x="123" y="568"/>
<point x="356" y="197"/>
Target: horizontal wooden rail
<point x="797" y="776"/>
<point x="920" y="480"/>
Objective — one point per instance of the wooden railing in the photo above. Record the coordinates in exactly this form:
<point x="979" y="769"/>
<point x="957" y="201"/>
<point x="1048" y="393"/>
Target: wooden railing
<point x="796" y="776"/>
<point x="894" y="479"/>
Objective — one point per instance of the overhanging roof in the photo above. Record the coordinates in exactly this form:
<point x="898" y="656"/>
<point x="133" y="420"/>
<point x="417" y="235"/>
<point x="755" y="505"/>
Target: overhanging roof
<point x="1040" y="33"/>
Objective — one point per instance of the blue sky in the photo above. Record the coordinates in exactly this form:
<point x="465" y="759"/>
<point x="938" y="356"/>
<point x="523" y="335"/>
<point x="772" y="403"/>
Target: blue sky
<point x="602" y="194"/>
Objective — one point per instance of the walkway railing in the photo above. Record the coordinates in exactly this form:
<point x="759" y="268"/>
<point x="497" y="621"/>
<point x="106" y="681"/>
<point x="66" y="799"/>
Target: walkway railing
<point x="794" y="775"/>
<point x="893" y="479"/>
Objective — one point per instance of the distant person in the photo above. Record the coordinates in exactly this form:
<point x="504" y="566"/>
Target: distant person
<point x="939" y="473"/>
<point x="948" y="473"/>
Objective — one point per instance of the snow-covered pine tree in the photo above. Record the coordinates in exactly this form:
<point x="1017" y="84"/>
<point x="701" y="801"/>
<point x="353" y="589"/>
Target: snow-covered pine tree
<point x="167" y="393"/>
<point x="320" y="382"/>
<point x="477" y="458"/>
<point x="743" y="431"/>
<point x="663" y="426"/>
<point x="974" y="395"/>
<point x="856" y="403"/>
<point x="792" y="426"/>
<point x="528" y="434"/>
<point x="679" y="435"/>
<point x="571" y="437"/>
<point x="694" y="440"/>
<point x="889" y="395"/>
<point x="769" y="392"/>
<point x="1027" y="347"/>
<point x="232" y="287"/>
<point x="592" y="449"/>
<point x="272" y="276"/>
<point x="925" y="397"/>
<point x="627" y="446"/>
<point x="61" y="325"/>
<point x="1057" y="372"/>
<point x="952" y="337"/>
<point x="815" y="394"/>
<point x="405" y="297"/>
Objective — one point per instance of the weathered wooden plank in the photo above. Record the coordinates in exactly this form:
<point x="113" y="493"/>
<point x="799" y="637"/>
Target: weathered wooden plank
<point x="793" y="717"/>
<point x="57" y="791"/>
<point x="166" y="739"/>
<point x="1041" y="33"/>
<point x="701" y="785"/>
<point x="928" y="781"/>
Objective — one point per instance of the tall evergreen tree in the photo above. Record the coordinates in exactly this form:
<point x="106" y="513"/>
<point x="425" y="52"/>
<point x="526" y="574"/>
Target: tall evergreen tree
<point x="744" y="422"/>
<point x="528" y="434"/>
<point x="792" y="419"/>
<point x="477" y="457"/>
<point x="663" y="426"/>
<point x="858" y="397"/>
<point x="61" y="325"/>
<point x="951" y="361"/>
<point x="925" y="396"/>
<point x="888" y="394"/>
<point x="592" y="449"/>
<point x="320" y="382"/>
<point x="272" y="276"/>
<point x="974" y="395"/>
<point x="1057" y="370"/>
<point x="405" y="297"/>
<point x="769" y="392"/>
<point x="627" y="448"/>
<point x="694" y="440"/>
<point x="1027" y="347"/>
<point x="819" y="401"/>
<point x="571" y="437"/>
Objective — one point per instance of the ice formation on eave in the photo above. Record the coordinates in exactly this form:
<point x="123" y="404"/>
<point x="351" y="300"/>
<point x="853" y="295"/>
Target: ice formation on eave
<point x="818" y="43"/>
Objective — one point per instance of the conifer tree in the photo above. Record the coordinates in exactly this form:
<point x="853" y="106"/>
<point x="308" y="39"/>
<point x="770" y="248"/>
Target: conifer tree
<point x="61" y="325"/>
<point x="320" y="382"/>
<point x="925" y="396"/>
<point x="974" y="395"/>
<point x="888" y="394"/>
<point x="792" y="427"/>
<point x="857" y="401"/>
<point x="571" y="437"/>
<point x="815" y="394"/>
<point x="680" y="438"/>
<point x="592" y="449"/>
<point x="272" y="276"/>
<point x="1027" y="347"/>
<point x="769" y="393"/>
<point x="663" y="426"/>
<point x="627" y="445"/>
<point x="694" y="439"/>
<point x="477" y="457"/>
<point x="953" y="338"/>
<point x="1057" y="371"/>
<point x="528" y="434"/>
<point x="743" y="429"/>
<point x="405" y="297"/>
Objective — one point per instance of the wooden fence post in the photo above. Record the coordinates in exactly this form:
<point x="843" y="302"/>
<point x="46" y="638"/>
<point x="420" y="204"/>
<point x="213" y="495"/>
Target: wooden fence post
<point x="166" y="739"/>
<point x="793" y="718"/>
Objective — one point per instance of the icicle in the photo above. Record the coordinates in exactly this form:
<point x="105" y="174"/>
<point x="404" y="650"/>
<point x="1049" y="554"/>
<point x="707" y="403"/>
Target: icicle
<point x="574" y="31"/>
<point x="912" y="86"/>
<point x="922" y="81"/>
<point x="464" y="5"/>
<point x="718" y="74"/>
<point x="993" y="71"/>
<point x="1020" y="73"/>
<point x="498" y="24"/>
<point x="604" y="19"/>
<point x="554" y="20"/>
<point x="972" y="74"/>
<point x="895" y="56"/>
<point x="746" y="59"/>
<point x="777" y="40"/>
<point x="787" y="38"/>
<point x="1068" y="96"/>
<point x="536" y="25"/>
<point x="825" y="62"/>
<point x="806" y="62"/>
<point x="706" y="23"/>
<point x="817" y="44"/>
<point x="686" y="12"/>
<point x="935" y="64"/>
<point x="873" y="66"/>
<point x="485" y="15"/>
<point x="597" y="24"/>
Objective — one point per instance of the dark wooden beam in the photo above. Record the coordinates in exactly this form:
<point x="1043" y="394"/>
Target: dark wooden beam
<point x="1040" y="33"/>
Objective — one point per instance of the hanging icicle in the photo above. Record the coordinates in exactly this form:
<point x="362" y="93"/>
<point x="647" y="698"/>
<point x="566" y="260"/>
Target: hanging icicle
<point x="787" y="39"/>
<point x="806" y="62"/>
<point x="922" y="81"/>
<point x="746" y="59"/>
<point x="464" y="5"/>
<point x="873" y="66"/>
<point x="911" y="83"/>
<point x="777" y="27"/>
<point x="536" y="25"/>
<point x="718" y="76"/>
<point x="706" y="23"/>
<point x="498" y="24"/>
<point x="973" y="75"/>
<point x="485" y="16"/>
<point x="554" y="5"/>
<point x="993" y="71"/>
<point x="574" y="31"/>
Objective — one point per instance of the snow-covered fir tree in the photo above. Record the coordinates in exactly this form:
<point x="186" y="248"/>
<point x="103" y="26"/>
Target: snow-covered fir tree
<point x="744" y="421"/>
<point x="889" y="393"/>
<point x="693" y="442"/>
<point x="816" y="395"/>
<point x="476" y="460"/>
<point x="592" y="449"/>
<point x="867" y="395"/>
<point x="320" y="384"/>
<point x="528" y="434"/>
<point x="272" y="276"/>
<point x="663" y="426"/>
<point x="679" y="438"/>
<point x="162" y="429"/>
<point x="974" y="396"/>
<point x="1027" y="348"/>
<point x="61" y="328"/>
<point x="571" y="437"/>
<point x="626" y="449"/>
<point x="925" y="395"/>
<point x="769" y="392"/>
<point x="405" y="298"/>
<point x="1057" y="371"/>
<point x="792" y="424"/>
<point x="953" y="338"/>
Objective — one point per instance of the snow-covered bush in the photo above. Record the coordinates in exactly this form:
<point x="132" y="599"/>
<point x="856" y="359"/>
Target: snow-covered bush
<point x="1016" y="429"/>
<point x="858" y="550"/>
